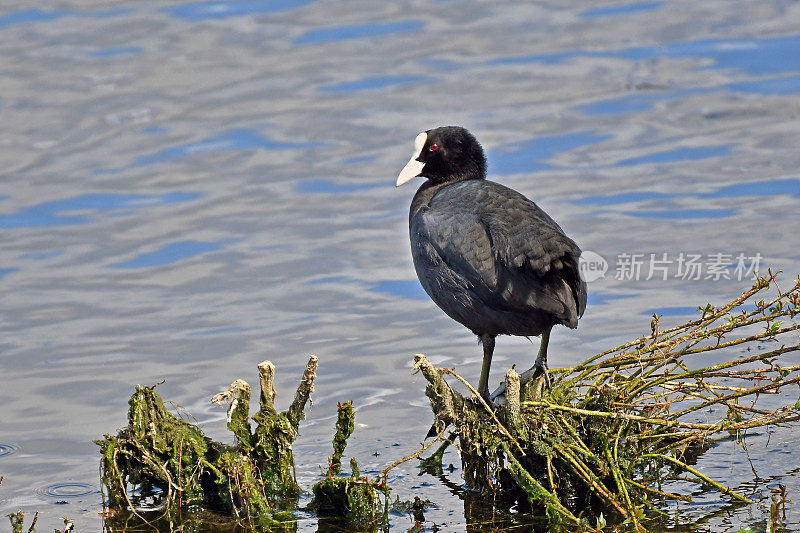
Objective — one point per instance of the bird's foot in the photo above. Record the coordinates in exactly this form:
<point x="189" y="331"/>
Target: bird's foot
<point x="484" y="393"/>
<point x="498" y="396"/>
<point x="538" y="369"/>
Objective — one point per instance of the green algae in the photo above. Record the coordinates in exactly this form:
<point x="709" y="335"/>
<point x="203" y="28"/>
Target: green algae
<point x="156" y="449"/>
<point x="249" y="484"/>
<point x="353" y="500"/>
<point x="251" y="480"/>
<point x="345" y="424"/>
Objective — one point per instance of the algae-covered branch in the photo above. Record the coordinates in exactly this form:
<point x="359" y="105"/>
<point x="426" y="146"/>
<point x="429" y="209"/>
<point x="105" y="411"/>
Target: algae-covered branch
<point x="251" y="480"/>
<point x="621" y="431"/>
<point x="248" y="484"/>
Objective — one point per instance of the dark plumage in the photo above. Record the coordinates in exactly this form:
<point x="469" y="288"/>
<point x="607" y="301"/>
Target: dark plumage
<point x="487" y="256"/>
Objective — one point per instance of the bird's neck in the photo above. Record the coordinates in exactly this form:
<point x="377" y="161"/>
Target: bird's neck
<point x="424" y="195"/>
<point x="427" y="191"/>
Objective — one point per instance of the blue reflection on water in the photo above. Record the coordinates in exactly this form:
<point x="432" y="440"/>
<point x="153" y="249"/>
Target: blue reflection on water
<point x="678" y="154"/>
<point x="41" y="255"/>
<point x="360" y="159"/>
<point x="374" y="82"/>
<point x="218" y="10"/>
<point x="757" y="188"/>
<point x="790" y="85"/>
<point x="635" y="102"/>
<point x="106" y="13"/>
<point x="642" y="102"/>
<point x="622" y="198"/>
<point x="627" y="104"/>
<point x="439" y="65"/>
<point x="625" y="9"/>
<point x="320" y="186"/>
<point x="323" y="281"/>
<point x="405" y="289"/>
<point x="30" y="15"/>
<point x="151" y="130"/>
<point x="236" y="139"/>
<point x="6" y="271"/>
<point x="170" y="253"/>
<point x="753" y="188"/>
<point x="548" y="59"/>
<point x="674" y="214"/>
<point x="341" y="33"/>
<point x="529" y="156"/>
<point x="754" y="56"/>
<point x="120" y="51"/>
<point x="37" y="15"/>
<point x="49" y="213"/>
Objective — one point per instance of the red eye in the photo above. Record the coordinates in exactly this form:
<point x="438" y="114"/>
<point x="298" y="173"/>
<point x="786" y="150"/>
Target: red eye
<point x="434" y="147"/>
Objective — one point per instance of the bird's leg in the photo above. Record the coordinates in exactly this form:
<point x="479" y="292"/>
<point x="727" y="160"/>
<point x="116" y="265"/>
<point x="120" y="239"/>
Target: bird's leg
<point x="541" y="358"/>
<point x="488" y="350"/>
<point x="540" y="366"/>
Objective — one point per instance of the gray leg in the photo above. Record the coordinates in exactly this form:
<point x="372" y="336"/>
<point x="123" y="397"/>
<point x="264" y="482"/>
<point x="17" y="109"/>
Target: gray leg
<point x="541" y="360"/>
<point x="488" y="350"/>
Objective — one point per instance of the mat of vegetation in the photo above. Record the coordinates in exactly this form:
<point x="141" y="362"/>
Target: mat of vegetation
<point x="612" y="434"/>
<point x="160" y="461"/>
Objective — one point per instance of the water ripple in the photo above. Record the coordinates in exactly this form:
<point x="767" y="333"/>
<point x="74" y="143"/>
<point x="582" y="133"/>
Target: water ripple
<point x="341" y="33"/>
<point x="49" y="214"/>
<point x="219" y="10"/>
<point x="530" y="156"/>
<point x="683" y="153"/>
<point x="234" y="139"/>
<point x="753" y="56"/>
<point x="8" y="449"/>
<point x="6" y="271"/>
<point x="405" y="289"/>
<point x="171" y="253"/>
<point x="789" y="186"/>
<point x="618" y="10"/>
<point x="67" y="490"/>
<point x="30" y="15"/>
<point x="374" y="82"/>
<point x="117" y="51"/>
<point x="681" y="214"/>
<point x="320" y="186"/>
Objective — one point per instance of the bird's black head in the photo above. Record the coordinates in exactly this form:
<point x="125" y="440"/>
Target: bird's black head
<point x="446" y="154"/>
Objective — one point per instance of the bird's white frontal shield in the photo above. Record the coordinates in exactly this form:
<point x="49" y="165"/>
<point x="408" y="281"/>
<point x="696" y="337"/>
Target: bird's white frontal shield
<point x="414" y="167"/>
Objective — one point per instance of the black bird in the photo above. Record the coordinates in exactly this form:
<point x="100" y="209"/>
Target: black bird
<point x="488" y="257"/>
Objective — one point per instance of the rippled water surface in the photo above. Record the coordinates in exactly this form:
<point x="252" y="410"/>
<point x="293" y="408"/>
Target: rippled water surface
<point x="188" y="189"/>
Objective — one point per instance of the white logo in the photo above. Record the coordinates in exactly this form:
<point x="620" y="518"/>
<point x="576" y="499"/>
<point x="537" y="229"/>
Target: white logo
<point x="592" y="266"/>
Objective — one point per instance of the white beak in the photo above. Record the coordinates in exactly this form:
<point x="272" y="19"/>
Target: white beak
<point x="414" y="167"/>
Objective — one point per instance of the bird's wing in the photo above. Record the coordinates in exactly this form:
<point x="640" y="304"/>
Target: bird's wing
<point x="461" y="241"/>
<point x="526" y="240"/>
<point x="511" y="250"/>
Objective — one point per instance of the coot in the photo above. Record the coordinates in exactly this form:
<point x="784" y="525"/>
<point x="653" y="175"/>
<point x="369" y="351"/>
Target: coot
<point x="488" y="257"/>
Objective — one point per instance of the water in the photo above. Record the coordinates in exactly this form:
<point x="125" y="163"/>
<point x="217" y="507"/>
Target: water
<point x="191" y="188"/>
